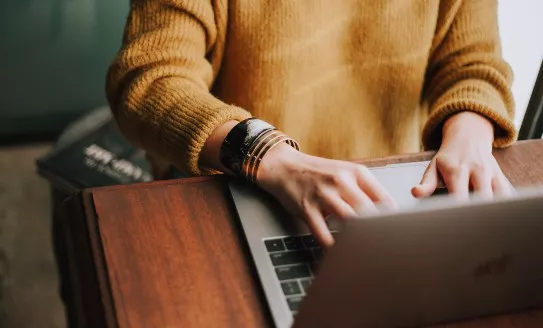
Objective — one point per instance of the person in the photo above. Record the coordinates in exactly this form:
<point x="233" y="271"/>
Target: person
<point x="236" y="87"/>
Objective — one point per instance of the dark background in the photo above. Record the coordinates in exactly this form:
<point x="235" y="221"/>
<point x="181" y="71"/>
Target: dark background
<point x="54" y="56"/>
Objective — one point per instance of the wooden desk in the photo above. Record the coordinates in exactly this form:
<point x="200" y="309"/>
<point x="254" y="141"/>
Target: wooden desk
<point x="170" y="254"/>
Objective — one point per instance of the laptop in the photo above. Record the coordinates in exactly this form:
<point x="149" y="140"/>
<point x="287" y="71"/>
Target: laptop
<point x="407" y="268"/>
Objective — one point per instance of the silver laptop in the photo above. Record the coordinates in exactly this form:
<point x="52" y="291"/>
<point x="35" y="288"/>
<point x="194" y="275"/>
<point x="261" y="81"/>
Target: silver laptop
<point x="432" y="261"/>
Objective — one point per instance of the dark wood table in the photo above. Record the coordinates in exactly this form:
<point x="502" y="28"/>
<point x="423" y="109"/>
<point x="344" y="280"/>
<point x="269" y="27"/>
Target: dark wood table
<point x="170" y="253"/>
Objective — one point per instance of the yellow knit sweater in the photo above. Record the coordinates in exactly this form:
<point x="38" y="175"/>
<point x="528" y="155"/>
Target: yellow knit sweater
<point x="346" y="78"/>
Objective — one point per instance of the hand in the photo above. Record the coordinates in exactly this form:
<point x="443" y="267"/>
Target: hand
<point x="465" y="160"/>
<point x="311" y="188"/>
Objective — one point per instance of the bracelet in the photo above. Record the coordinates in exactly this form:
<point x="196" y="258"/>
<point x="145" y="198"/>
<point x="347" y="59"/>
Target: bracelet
<point x="256" y="153"/>
<point x="239" y="140"/>
<point x="246" y="145"/>
<point x="252" y="160"/>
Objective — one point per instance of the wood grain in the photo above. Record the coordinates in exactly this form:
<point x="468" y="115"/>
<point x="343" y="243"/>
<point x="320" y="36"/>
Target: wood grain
<point x="173" y="256"/>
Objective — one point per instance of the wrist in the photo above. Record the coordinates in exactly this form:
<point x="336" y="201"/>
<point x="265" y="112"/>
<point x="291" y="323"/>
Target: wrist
<point x="247" y="143"/>
<point x="468" y="126"/>
<point x="276" y="162"/>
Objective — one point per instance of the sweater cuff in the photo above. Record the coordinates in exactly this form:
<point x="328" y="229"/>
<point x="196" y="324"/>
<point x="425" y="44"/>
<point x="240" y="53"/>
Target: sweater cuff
<point x="201" y="127"/>
<point x="476" y="96"/>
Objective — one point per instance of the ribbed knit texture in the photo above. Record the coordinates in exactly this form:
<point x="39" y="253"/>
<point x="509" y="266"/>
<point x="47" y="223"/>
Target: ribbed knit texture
<point x="347" y="79"/>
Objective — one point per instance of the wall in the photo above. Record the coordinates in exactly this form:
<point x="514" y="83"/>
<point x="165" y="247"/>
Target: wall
<point x="54" y="56"/>
<point x="520" y="29"/>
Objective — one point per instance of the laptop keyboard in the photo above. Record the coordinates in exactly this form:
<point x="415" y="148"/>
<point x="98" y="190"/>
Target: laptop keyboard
<point x="295" y="260"/>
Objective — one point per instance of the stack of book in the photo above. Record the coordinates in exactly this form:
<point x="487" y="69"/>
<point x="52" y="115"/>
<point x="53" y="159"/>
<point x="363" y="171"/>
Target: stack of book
<point x="92" y="152"/>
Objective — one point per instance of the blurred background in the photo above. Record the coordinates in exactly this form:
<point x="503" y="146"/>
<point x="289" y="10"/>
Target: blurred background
<point x="54" y="56"/>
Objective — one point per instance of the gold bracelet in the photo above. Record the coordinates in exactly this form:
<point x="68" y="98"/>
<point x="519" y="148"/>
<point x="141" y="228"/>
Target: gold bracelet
<point x="260" y="148"/>
<point x="263" y="153"/>
<point x="255" y="148"/>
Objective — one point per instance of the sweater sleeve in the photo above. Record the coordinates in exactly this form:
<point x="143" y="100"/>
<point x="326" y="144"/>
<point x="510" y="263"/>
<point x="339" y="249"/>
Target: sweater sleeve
<point x="158" y="84"/>
<point x="466" y="71"/>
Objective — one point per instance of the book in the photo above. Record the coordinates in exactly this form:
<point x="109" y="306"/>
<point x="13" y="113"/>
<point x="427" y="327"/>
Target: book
<point x="93" y="153"/>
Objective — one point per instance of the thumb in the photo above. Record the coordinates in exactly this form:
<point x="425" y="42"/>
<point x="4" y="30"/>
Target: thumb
<point x="429" y="182"/>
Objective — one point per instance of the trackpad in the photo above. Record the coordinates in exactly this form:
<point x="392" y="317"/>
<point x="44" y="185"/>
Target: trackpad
<point x="399" y="179"/>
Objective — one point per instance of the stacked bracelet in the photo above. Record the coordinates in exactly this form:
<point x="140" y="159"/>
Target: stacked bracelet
<point x="247" y="143"/>
<point x="263" y="144"/>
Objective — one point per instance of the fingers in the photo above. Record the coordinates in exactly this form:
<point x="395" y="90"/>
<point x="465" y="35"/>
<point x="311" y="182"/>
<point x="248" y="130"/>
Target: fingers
<point x="372" y="188"/>
<point x="481" y="181"/>
<point x="501" y="185"/>
<point x="428" y="183"/>
<point x="345" y="201"/>
<point x="365" y="206"/>
<point x="456" y="178"/>
<point x="499" y="182"/>
<point x="333" y="204"/>
<point x="357" y="199"/>
<point x="318" y="227"/>
<point x="485" y="178"/>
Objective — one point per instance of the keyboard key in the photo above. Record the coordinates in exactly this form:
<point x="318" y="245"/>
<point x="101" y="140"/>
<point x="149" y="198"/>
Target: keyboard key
<point x="274" y="245"/>
<point x="293" y="272"/>
<point x="293" y="243"/>
<point x="318" y="253"/>
<point x="310" y="241"/>
<point x="293" y="257"/>
<point x="291" y="288"/>
<point x="305" y="284"/>
<point x="294" y="303"/>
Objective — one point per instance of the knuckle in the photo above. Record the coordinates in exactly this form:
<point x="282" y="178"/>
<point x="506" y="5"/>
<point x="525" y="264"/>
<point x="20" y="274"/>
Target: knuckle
<point x="463" y="167"/>
<point x="341" y="177"/>
<point x="479" y="167"/>
<point x="329" y="176"/>
<point x="449" y="166"/>
<point x="318" y="195"/>
<point x="361" y="170"/>
<point x="446" y="166"/>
